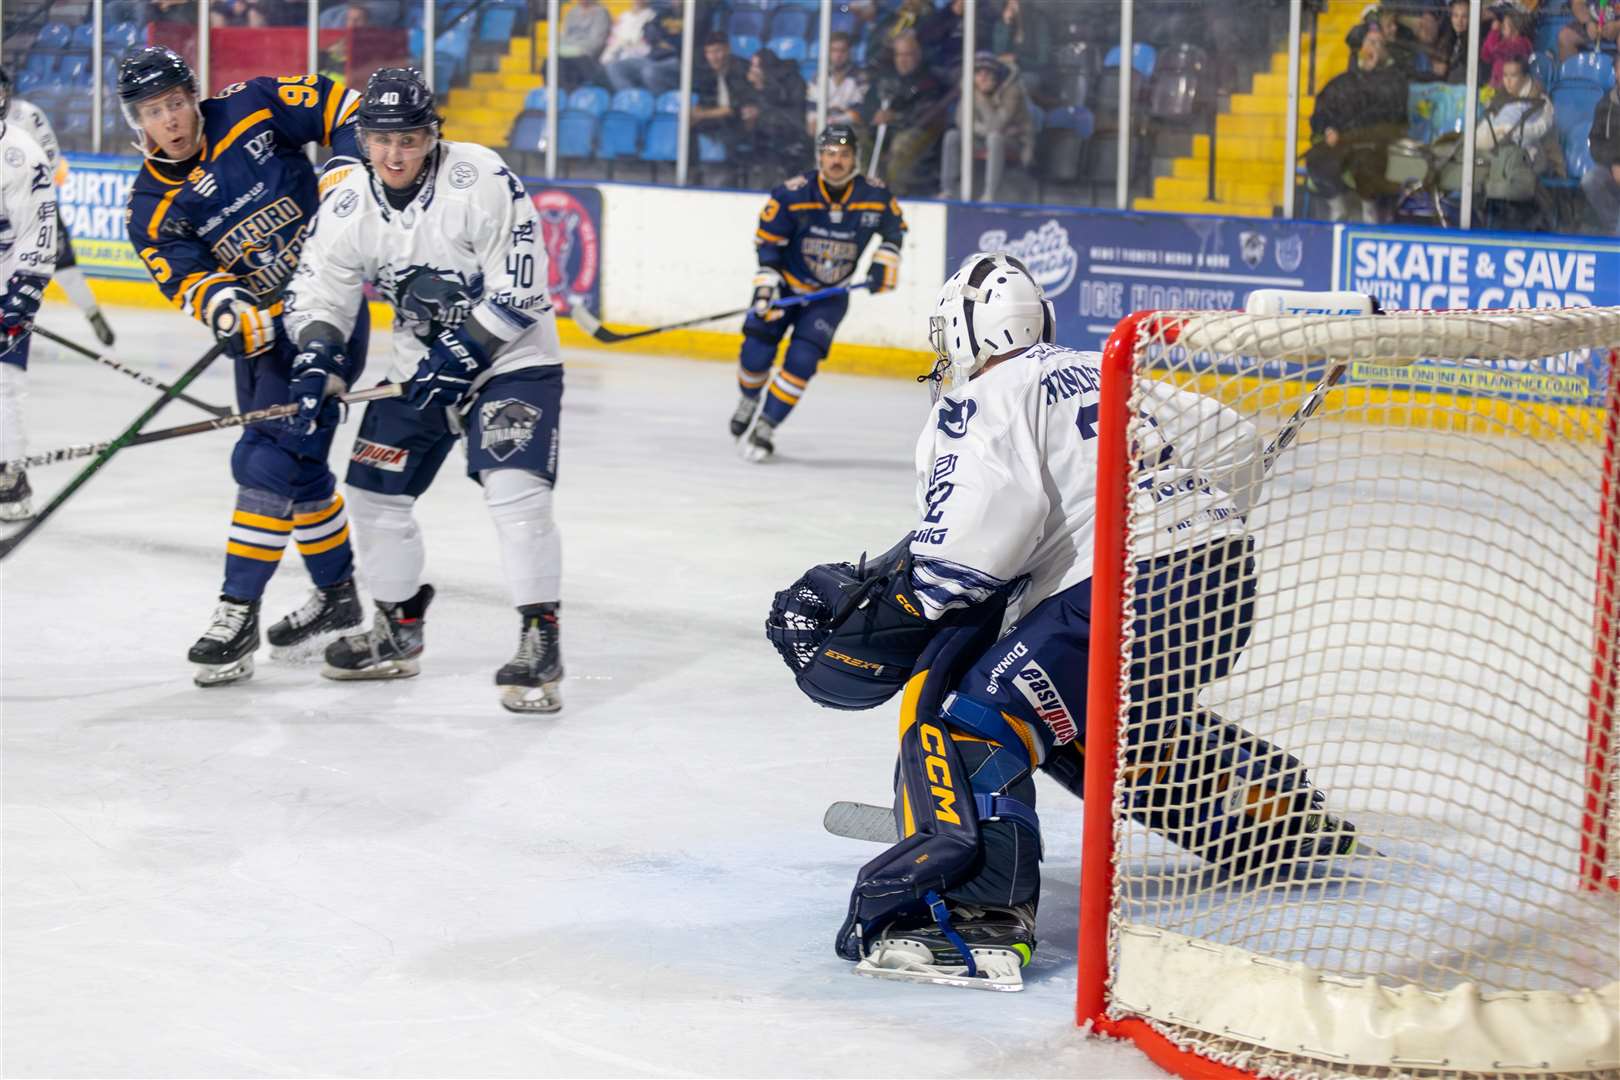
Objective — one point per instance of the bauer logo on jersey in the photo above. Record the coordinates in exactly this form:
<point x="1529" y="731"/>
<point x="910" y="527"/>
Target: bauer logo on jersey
<point x="954" y="417"/>
<point x="463" y="174"/>
<point x="506" y="427"/>
<point x="829" y="259"/>
<point x="378" y="456"/>
<point x="346" y="203"/>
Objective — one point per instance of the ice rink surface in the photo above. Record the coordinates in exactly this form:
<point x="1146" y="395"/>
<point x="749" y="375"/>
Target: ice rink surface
<point x="297" y="877"/>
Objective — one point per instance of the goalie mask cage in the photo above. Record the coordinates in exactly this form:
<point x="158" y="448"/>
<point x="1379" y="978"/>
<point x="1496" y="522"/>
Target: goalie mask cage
<point x="1433" y="638"/>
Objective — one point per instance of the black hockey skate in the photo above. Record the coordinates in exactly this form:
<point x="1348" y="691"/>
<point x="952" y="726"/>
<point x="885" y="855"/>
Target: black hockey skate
<point x="98" y="323"/>
<point x="529" y="680"/>
<point x="757" y="445"/>
<point x="16" y="497"/>
<point x="916" y="948"/>
<point x="224" y="654"/>
<point x="336" y="607"/>
<point x="389" y="650"/>
<point x="746" y="408"/>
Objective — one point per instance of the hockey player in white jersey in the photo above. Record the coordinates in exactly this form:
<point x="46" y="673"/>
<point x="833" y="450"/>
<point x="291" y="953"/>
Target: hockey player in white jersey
<point x="27" y="256"/>
<point x="1006" y="497"/>
<point x="451" y="238"/>
<point x="30" y="119"/>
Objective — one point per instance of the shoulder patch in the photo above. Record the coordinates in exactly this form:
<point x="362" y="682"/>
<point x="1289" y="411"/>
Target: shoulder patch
<point x="463" y="174"/>
<point x="795" y="183"/>
<point x="346" y="202"/>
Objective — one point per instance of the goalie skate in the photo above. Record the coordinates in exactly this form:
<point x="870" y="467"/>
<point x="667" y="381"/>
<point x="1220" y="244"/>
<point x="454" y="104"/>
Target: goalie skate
<point x="301" y="633"/>
<point x="1001" y="942"/>
<point x="390" y="649"/>
<point x="224" y="653"/>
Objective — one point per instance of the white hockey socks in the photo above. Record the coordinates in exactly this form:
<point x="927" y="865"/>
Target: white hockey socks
<point x="531" y="546"/>
<point x="388" y="542"/>
<point x="13" y="393"/>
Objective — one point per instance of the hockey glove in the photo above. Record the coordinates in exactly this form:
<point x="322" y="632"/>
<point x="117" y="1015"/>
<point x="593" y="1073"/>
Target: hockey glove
<point x="446" y="373"/>
<point x="767" y="287"/>
<point x="23" y="294"/>
<point x="245" y="328"/>
<point x="316" y="377"/>
<point x="884" y="273"/>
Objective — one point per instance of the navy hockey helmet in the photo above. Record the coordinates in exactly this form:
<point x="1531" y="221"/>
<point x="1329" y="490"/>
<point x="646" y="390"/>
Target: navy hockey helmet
<point x="150" y="71"/>
<point x="397" y="99"/>
<point x="837" y="135"/>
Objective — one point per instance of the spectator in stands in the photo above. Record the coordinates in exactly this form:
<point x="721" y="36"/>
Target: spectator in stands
<point x="722" y="90"/>
<point x="1506" y="41"/>
<point x="1357" y="115"/>
<point x="1001" y="128"/>
<point x="255" y="13"/>
<point x="168" y="11"/>
<point x="1585" y="32"/>
<point x="940" y="32"/>
<point x="890" y="28"/>
<point x="639" y="51"/>
<point x="1522" y="113"/>
<point x="1021" y="40"/>
<point x="1448" y="58"/>
<point x="908" y="108"/>
<point x="845" y="87"/>
<point x="1602" y="183"/>
<point x="1399" y="41"/>
<point x="585" y="32"/>
<point x="772" y="135"/>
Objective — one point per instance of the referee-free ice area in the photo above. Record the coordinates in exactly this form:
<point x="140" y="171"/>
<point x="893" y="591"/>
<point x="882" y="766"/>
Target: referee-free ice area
<point x="298" y="877"/>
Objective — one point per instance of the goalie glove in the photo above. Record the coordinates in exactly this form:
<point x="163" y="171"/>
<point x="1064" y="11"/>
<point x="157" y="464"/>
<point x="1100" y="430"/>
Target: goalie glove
<point x="17" y="310"/>
<point x="242" y="326"/>
<point x="767" y="287"/>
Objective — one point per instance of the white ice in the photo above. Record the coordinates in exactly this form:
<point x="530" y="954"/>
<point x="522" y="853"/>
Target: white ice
<point x="296" y="877"/>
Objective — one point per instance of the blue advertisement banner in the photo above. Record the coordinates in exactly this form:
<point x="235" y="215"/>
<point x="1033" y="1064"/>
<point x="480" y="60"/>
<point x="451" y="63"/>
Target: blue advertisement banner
<point x="1434" y="269"/>
<point x="1099" y="266"/>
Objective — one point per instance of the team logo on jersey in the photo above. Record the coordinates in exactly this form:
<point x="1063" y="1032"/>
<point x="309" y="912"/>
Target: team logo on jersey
<point x="424" y="294"/>
<point x="506" y="427"/>
<point x="870" y="219"/>
<point x="829" y="259"/>
<point x="1051" y="258"/>
<point x="261" y="146"/>
<point x="203" y="182"/>
<point x="1289" y="251"/>
<point x="1252" y="246"/>
<point x="346" y="204"/>
<point x="14" y="156"/>
<point x="954" y="416"/>
<point x="568" y="233"/>
<point x="463" y="174"/>
<point x="379" y="456"/>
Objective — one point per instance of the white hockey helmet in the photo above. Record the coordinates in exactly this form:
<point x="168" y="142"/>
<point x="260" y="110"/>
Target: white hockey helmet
<point x="992" y="305"/>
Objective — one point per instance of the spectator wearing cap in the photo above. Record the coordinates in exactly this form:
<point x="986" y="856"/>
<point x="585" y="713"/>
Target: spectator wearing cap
<point x="1001" y="127"/>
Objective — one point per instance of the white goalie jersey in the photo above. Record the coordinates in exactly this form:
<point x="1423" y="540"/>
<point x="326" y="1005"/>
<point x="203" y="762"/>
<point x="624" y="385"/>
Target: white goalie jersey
<point x="1006" y="478"/>
<point x="467" y="246"/>
<point x="27" y="207"/>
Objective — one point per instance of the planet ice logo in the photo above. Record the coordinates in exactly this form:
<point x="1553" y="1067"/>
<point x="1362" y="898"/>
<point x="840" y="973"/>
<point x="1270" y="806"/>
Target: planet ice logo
<point x="1051" y="259"/>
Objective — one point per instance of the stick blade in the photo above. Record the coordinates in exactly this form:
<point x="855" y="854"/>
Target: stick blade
<point x="588" y="322"/>
<point x="861" y="821"/>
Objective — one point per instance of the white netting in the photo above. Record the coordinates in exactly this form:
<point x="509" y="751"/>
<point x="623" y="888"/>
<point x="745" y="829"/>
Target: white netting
<point x="1424" y="636"/>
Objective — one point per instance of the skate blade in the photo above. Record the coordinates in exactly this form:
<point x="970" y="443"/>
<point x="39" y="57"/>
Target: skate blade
<point x="999" y="969"/>
<point x="224" y="674"/>
<point x="309" y="649"/>
<point x="388" y="669"/>
<point x="751" y="453"/>
<point x="531" y="699"/>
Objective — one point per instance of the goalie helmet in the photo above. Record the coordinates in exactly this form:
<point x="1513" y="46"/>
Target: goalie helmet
<point x="992" y="305"/>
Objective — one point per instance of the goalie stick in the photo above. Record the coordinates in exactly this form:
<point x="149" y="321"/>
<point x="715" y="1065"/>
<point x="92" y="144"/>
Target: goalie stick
<point x="229" y="420"/>
<point x="861" y="821"/>
<point x="138" y="376"/>
<point x="589" y="323"/>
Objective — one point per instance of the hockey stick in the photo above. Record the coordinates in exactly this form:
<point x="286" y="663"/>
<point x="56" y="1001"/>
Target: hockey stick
<point x="861" y="821"/>
<point x="229" y="420"/>
<point x="1307" y="408"/>
<point x="593" y="326"/>
<point x="138" y="376"/>
<point x="9" y="544"/>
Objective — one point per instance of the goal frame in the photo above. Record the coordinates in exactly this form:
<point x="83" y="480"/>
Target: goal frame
<point x="1102" y="726"/>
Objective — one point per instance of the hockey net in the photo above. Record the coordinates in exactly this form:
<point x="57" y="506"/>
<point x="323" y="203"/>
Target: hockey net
<point x="1432" y="639"/>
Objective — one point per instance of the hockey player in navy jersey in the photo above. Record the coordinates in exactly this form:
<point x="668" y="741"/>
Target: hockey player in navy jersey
<point x="812" y="232"/>
<point x="219" y="213"/>
<point x="1006" y="500"/>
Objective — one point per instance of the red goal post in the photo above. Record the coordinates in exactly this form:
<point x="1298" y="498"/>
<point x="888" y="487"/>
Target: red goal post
<point x="1434" y="638"/>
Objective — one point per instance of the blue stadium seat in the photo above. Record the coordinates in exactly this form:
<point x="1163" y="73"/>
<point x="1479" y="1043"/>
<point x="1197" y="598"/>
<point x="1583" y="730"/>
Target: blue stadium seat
<point x="790" y="22"/>
<point x="635" y="101"/>
<point x="121" y="37"/>
<point x="537" y="100"/>
<point x="38" y="65"/>
<point x="528" y="131"/>
<point x="845" y="20"/>
<point x="1577" y="150"/>
<point x="746" y="23"/>
<point x="446" y="65"/>
<point x="620" y="136"/>
<point x="745" y="45"/>
<point x="413" y="41"/>
<point x="807" y="71"/>
<point x="669" y="102"/>
<point x="1544" y="69"/>
<point x="497" y="24"/>
<point x="1573" y="103"/>
<point x="710" y="149"/>
<point x="84" y="36"/>
<point x="789" y="48"/>
<point x="663" y="132"/>
<point x="30" y="82"/>
<point x="590" y="99"/>
<point x="73" y="70"/>
<point x="576" y="134"/>
<point x="1075" y="118"/>
<point x="1547" y="27"/>
<point x="1143" y="58"/>
<point x="1592" y="66"/>
<point x="55" y="35"/>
